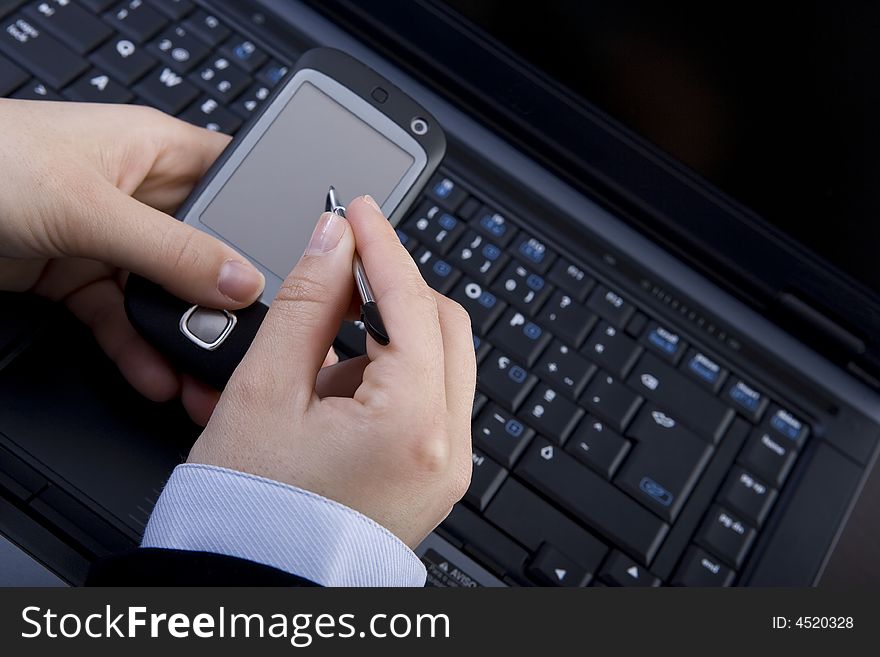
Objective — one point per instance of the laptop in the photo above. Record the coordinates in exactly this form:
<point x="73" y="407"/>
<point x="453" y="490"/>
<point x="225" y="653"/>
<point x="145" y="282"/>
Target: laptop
<point x="657" y="220"/>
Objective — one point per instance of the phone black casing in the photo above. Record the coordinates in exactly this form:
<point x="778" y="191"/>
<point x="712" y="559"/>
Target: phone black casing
<point x="156" y="314"/>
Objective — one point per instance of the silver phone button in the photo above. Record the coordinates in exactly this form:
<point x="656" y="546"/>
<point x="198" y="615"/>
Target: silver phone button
<point x="206" y="327"/>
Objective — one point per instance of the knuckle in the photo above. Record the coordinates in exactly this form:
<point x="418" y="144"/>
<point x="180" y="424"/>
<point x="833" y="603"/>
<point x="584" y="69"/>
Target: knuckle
<point x="302" y="296"/>
<point x="180" y="249"/>
<point x="431" y="453"/>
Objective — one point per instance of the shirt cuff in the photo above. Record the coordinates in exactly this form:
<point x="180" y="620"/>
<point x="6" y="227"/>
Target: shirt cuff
<point x="210" y="509"/>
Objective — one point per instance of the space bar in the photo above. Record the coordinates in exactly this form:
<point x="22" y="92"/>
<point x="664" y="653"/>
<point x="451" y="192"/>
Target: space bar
<point x="593" y="500"/>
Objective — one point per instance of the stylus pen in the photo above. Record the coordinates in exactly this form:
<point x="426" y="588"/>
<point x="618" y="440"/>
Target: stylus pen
<point x="369" y="310"/>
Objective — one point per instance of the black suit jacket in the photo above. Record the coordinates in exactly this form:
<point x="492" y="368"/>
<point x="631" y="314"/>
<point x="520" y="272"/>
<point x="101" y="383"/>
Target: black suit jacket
<point x="155" y="567"/>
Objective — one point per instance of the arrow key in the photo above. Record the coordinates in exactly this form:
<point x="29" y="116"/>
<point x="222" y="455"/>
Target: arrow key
<point x="97" y="87"/>
<point x="620" y="570"/>
<point x="551" y="567"/>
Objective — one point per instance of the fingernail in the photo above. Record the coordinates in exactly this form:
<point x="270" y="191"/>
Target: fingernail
<point x="327" y="234"/>
<point x="239" y="280"/>
<point x="372" y="203"/>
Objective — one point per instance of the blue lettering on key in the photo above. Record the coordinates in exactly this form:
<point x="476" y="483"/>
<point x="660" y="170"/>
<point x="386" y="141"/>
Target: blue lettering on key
<point x="517" y="373"/>
<point x="532" y="331"/>
<point x="447" y="221"/>
<point x="663" y="340"/>
<point x="275" y="73"/>
<point x="403" y="237"/>
<point x="444" y="188"/>
<point x="785" y="424"/>
<point x="656" y="491"/>
<point x="533" y="250"/>
<point x="244" y="50"/>
<point x="704" y="368"/>
<point x="745" y="396"/>
<point x="442" y="268"/>
<point x="535" y="282"/>
<point x="491" y="252"/>
<point x="495" y="224"/>
<point x="487" y="300"/>
<point x="514" y="428"/>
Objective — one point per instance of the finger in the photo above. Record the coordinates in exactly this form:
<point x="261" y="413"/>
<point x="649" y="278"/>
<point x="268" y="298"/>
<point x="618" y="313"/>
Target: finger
<point x="198" y="398"/>
<point x="192" y="265"/>
<point x="302" y="322"/>
<point x="99" y="306"/>
<point x="342" y="379"/>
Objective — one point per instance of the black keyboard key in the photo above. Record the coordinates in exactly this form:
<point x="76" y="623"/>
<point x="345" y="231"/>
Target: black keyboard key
<point x="611" y="349"/>
<point x="123" y="60"/>
<point x="533" y="252"/>
<point x="504" y="380"/>
<point x="251" y="99"/>
<point x="97" y="87"/>
<point x="611" y="306"/>
<point x="591" y="499"/>
<point x="69" y="23"/>
<point x="786" y="425"/>
<point x="480" y="400"/>
<point x="40" y="53"/>
<point x="11" y="76"/>
<point x="571" y="278"/>
<point x="209" y="113"/>
<point x="567" y="370"/>
<point x="611" y="401"/>
<point x="487" y="477"/>
<point x="166" y="90"/>
<point x="481" y="348"/>
<point x="500" y="435"/>
<point x="704" y="370"/>
<point x="477" y="256"/>
<point x="747" y="496"/>
<point x="221" y="79"/>
<point x="97" y="6"/>
<point x="136" y="20"/>
<point x="445" y="191"/>
<point x="174" y="9"/>
<point x="408" y="241"/>
<point x="207" y="27"/>
<point x="272" y="73"/>
<point x="517" y="335"/>
<point x="664" y="464"/>
<point x="36" y="90"/>
<point x="620" y="570"/>
<point x="178" y="48"/>
<point x="768" y="456"/>
<point x="533" y="521"/>
<point x="726" y="536"/>
<point x="437" y="273"/>
<point x="551" y="414"/>
<point x="485" y="543"/>
<point x="747" y="400"/>
<point x="244" y="53"/>
<point x="700" y="569"/>
<point x="686" y="400"/>
<point x="522" y="287"/>
<point x="636" y="324"/>
<point x="352" y="338"/>
<point x="437" y="229"/>
<point x="483" y="307"/>
<point x="551" y="567"/>
<point x="598" y="447"/>
<point x="668" y="344"/>
<point x="566" y="318"/>
<point x="494" y="224"/>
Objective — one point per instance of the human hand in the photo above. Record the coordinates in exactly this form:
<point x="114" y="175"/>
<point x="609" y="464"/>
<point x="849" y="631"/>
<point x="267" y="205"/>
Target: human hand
<point x="83" y="197"/>
<point x="387" y="434"/>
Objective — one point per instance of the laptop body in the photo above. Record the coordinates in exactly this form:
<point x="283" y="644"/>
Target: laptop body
<point x="596" y="215"/>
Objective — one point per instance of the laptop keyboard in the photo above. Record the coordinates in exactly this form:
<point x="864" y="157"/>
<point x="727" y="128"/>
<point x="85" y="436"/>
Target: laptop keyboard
<point x="608" y="448"/>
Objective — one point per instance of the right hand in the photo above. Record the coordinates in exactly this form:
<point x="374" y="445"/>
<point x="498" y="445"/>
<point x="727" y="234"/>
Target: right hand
<point x="387" y="434"/>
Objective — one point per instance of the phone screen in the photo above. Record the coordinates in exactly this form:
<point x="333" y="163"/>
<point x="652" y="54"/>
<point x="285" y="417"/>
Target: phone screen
<point x="269" y="206"/>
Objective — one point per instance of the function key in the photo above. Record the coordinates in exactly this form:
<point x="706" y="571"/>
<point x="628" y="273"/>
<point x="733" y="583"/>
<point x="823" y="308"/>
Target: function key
<point x="727" y="536"/>
<point x="700" y="569"/>
<point x="124" y="60"/>
<point x="97" y="87"/>
<point x="207" y="27"/>
<point x="668" y="344"/>
<point x="748" y="496"/>
<point x="445" y="191"/>
<point x="178" y="48"/>
<point x="786" y="424"/>
<point x="571" y="278"/>
<point x="597" y="446"/>
<point x="174" y="9"/>
<point x="500" y="435"/>
<point x="244" y="53"/>
<point x="487" y="477"/>
<point x="70" y="23"/>
<point x="210" y="114"/>
<point x="248" y="103"/>
<point x="620" y="570"/>
<point x="569" y="320"/>
<point x="703" y="369"/>
<point x="746" y="399"/>
<point x="437" y="273"/>
<point x="534" y="252"/>
<point x="495" y="225"/>
<point x="768" y="457"/>
<point x="221" y="79"/>
<point x="505" y="381"/>
<point x="136" y="20"/>
<point x="435" y="228"/>
<point x="611" y="306"/>
<point x="551" y="567"/>
<point x="477" y="256"/>
<point x="522" y="287"/>
<point x="272" y="73"/>
<point x="40" y="53"/>
<point x="565" y="368"/>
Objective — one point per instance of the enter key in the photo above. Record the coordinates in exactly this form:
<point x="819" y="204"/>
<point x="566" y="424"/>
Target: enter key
<point x="665" y="463"/>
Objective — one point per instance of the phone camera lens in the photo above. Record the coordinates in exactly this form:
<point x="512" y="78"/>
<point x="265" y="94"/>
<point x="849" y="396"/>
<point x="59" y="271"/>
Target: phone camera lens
<point x="419" y="126"/>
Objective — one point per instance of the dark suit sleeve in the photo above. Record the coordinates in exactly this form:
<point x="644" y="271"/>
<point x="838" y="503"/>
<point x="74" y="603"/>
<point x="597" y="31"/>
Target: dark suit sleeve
<point x="156" y="567"/>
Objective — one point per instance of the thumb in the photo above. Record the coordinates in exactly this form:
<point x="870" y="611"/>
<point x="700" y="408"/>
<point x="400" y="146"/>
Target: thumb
<point x="305" y="315"/>
<point x="187" y="262"/>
